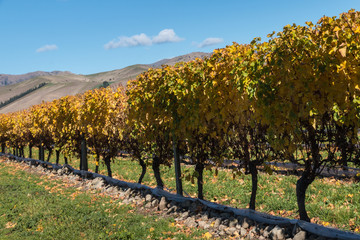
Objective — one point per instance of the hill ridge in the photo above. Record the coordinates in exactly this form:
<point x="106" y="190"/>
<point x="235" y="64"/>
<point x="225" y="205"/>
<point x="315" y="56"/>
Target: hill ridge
<point x="63" y="83"/>
<point x="8" y="79"/>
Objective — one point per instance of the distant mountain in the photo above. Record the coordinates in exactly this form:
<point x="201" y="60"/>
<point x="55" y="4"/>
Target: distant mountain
<point x="125" y="74"/>
<point x="7" y="79"/>
<point x="58" y="84"/>
<point x="182" y="58"/>
<point x="120" y="75"/>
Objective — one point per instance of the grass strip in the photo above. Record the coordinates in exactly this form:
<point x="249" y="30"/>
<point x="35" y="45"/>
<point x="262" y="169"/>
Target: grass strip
<point x="330" y="202"/>
<point x="41" y="207"/>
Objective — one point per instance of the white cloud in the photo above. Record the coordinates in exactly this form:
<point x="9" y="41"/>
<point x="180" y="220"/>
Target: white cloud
<point x="164" y="36"/>
<point x="133" y="41"/>
<point x="210" y="41"/>
<point x="49" y="47"/>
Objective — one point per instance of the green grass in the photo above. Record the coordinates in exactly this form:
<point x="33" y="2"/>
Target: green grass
<point x="35" y="207"/>
<point x="329" y="201"/>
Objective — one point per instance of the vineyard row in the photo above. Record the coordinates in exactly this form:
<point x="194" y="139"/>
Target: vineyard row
<point x="293" y="98"/>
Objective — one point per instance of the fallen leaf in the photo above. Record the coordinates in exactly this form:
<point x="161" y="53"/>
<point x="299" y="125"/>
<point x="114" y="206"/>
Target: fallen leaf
<point x="10" y="225"/>
<point x="207" y="235"/>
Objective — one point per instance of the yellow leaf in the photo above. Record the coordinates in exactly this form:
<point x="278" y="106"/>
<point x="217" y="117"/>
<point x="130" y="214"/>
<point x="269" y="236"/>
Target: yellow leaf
<point x="336" y="29"/>
<point x="357" y="30"/>
<point x="343" y="51"/>
<point x="39" y="228"/>
<point x="326" y="224"/>
<point x="151" y="229"/>
<point x="207" y="235"/>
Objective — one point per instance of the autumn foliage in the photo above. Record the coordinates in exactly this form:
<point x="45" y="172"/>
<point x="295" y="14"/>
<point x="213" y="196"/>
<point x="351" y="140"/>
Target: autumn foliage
<point x="292" y="98"/>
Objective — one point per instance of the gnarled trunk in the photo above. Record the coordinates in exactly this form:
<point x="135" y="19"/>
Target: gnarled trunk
<point x="107" y="163"/>
<point x="143" y="171"/>
<point x="199" y="168"/>
<point x="49" y="155"/>
<point x="156" y="169"/>
<point x="41" y="153"/>
<point x="97" y="163"/>
<point x="254" y="182"/>
<point x="22" y="152"/>
<point x="57" y="152"/>
<point x="311" y="166"/>
<point x="301" y="185"/>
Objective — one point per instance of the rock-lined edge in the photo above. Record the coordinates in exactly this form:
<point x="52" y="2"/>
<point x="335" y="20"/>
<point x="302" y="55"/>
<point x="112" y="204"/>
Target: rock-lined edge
<point x="218" y="219"/>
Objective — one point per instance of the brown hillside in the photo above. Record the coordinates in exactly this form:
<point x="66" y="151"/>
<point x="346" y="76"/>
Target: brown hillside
<point x="61" y="84"/>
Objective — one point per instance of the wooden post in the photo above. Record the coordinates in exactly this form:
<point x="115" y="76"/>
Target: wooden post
<point x="83" y="160"/>
<point x="42" y="153"/>
<point x="179" y="188"/>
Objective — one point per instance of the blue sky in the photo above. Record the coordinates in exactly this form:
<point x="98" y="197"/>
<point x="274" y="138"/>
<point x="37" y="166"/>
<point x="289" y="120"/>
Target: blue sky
<point x="90" y="36"/>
